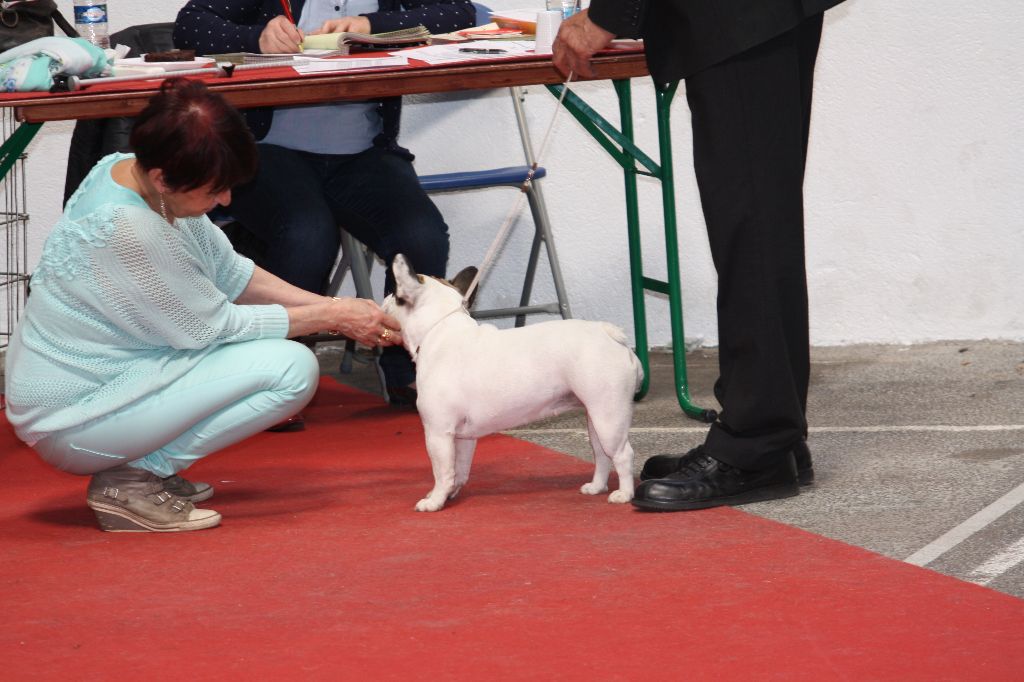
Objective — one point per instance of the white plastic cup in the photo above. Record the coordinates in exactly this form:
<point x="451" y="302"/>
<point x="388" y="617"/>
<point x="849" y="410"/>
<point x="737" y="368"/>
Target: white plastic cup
<point x="547" y="28"/>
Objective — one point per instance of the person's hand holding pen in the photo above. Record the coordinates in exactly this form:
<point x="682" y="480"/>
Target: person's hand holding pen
<point x="281" y="36"/>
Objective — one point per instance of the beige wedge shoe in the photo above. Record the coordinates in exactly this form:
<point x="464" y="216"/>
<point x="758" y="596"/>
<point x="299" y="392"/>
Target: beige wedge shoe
<point x="191" y="491"/>
<point x="126" y="499"/>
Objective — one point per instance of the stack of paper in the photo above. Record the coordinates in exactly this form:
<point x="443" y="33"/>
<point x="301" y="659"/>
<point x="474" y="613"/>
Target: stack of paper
<point x="489" y="31"/>
<point x="524" y="20"/>
<point x="273" y="58"/>
<point x="349" y="63"/>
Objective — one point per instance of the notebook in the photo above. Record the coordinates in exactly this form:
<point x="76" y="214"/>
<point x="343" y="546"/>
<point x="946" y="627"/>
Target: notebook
<point x="350" y="41"/>
<point x="270" y="58"/>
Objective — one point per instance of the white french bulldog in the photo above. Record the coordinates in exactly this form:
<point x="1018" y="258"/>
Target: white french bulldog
<point x="473" y="380"/>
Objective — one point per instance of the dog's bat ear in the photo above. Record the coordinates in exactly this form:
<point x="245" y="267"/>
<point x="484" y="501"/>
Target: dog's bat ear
<point x="462" y="282"/>
<point x="402" y="263"/>
<point x="406" y="279"/>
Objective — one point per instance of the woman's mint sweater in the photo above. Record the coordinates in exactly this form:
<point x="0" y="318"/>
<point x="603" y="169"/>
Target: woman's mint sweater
<point x="122" y="305"/>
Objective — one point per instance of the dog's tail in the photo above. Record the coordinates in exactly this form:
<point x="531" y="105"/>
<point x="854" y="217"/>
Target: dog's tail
<point x="619" y="337"/>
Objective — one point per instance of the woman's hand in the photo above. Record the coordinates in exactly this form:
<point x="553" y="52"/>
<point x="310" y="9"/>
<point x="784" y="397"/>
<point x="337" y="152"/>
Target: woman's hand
<point x="344" y="25"/>
<point x="280" y="37"/>
<point x="308" y="313"/>
<point x="577" y="40"/>
<point x="364" y="321"/>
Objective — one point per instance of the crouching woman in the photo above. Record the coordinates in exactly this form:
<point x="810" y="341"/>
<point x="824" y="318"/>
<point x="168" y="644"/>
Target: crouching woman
<point x="147" y="342"/>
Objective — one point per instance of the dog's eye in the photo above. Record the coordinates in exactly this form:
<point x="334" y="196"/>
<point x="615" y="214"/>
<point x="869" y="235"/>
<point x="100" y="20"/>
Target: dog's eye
<point x="399" y="300"/>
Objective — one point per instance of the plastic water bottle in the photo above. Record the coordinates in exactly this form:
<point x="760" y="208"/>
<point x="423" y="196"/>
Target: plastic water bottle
<point x="566" y="7"/>
<point x="91" y="21"/>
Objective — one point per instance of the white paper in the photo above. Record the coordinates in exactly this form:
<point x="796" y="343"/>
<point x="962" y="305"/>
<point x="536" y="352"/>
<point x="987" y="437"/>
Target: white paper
<point x="447" y="54"/>
<point x="349" y="63"/>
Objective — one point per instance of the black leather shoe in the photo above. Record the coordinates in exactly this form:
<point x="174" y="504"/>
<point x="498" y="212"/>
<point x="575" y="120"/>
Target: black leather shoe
<point x="661" y="466"/>
<point x="402" y="396"/>
<point x="706" y="482"/>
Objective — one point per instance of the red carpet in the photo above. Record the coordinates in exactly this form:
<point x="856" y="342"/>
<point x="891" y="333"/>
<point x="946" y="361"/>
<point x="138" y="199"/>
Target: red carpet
<point x="322" y="570"/>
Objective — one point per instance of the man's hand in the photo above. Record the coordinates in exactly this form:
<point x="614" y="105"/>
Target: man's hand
<point x="577" y="41"/>
<point x="344" y="25"/>
<point x="280" y="36"/>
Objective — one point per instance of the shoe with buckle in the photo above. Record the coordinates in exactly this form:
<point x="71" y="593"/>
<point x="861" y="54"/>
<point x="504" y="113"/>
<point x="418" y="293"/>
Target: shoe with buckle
<point x="705" y="482"/>
<point x="181" y="487"/>
<point x="296" y="422"/>
<point x="660" y="466"/>
<point x="126" y="499"/>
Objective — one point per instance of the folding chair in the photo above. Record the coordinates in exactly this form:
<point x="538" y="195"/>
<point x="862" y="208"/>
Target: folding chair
<point x="358" y="260"/>
<point x="355" y="257"/>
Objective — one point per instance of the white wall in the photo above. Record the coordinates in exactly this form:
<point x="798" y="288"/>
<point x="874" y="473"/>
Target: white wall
<point x="915" y="229"/>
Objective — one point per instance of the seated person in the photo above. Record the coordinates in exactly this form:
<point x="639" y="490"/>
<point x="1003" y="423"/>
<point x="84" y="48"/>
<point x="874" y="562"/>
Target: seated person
<point x="148" y="342"/>
<point x="329" y="165"/>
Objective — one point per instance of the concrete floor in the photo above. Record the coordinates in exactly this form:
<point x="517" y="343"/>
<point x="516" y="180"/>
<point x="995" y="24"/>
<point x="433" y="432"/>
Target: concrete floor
<point x="909" y="443"/>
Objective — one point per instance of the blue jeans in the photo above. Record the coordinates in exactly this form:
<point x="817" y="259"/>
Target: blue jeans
<point x="236" y="391"/>
<point x="297" y="201"/>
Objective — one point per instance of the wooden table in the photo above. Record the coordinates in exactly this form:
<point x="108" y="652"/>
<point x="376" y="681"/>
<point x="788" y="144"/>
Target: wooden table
<point x="282" y="86"/>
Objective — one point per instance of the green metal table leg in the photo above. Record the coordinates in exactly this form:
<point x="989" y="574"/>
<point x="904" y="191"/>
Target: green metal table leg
<point x="14" y="146"/>
<point x="636" y="263"/>
<point x="620" y="146"/>
<point x="664" y="95"/>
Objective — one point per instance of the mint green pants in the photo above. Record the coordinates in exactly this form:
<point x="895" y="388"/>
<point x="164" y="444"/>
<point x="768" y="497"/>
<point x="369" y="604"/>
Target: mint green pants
<point x="236" y="391"/>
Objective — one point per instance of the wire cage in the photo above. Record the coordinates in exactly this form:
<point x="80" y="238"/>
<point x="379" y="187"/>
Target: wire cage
<point x="13" y="244"/>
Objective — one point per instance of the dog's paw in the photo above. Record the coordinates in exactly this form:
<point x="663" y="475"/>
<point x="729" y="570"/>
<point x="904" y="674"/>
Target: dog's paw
<point x="592" y="489"/>
<point x="429" y="505"/>
<point x="620" y="497"/>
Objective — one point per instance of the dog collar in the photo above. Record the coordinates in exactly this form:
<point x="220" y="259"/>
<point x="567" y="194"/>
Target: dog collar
<point x="461" y="309"/>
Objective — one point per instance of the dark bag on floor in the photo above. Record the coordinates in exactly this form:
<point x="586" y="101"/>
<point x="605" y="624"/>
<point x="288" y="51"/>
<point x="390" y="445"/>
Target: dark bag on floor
<point x="25" y="20"/>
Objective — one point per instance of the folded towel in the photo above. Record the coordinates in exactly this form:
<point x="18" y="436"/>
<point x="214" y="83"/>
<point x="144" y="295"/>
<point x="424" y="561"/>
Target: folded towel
<point x="32" y="65"/>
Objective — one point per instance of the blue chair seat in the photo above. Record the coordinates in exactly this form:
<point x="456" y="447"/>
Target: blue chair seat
<point x="511" y="175"/>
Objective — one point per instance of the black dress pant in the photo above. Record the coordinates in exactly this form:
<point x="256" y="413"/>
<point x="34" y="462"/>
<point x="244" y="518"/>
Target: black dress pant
<point x="751" y="115"/>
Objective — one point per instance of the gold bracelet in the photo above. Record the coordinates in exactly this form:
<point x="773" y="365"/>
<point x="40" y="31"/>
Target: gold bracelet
<point x="334" y="332"/>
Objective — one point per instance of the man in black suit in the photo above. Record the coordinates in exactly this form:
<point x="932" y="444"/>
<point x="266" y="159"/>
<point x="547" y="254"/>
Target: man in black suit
<point x="749" y="67"/>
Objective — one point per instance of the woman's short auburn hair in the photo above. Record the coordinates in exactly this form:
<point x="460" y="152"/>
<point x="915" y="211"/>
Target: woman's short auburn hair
<point x="195" y="137"/>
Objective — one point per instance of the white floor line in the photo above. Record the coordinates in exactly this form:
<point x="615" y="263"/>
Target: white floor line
<point x="997" y="564"/>
<point x="954" y="537"/>
<point x="944" y="428"/>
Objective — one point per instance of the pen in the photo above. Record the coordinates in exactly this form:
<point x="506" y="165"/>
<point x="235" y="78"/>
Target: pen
<point x="287" y="7"/>
<point x="481" y="50"/>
